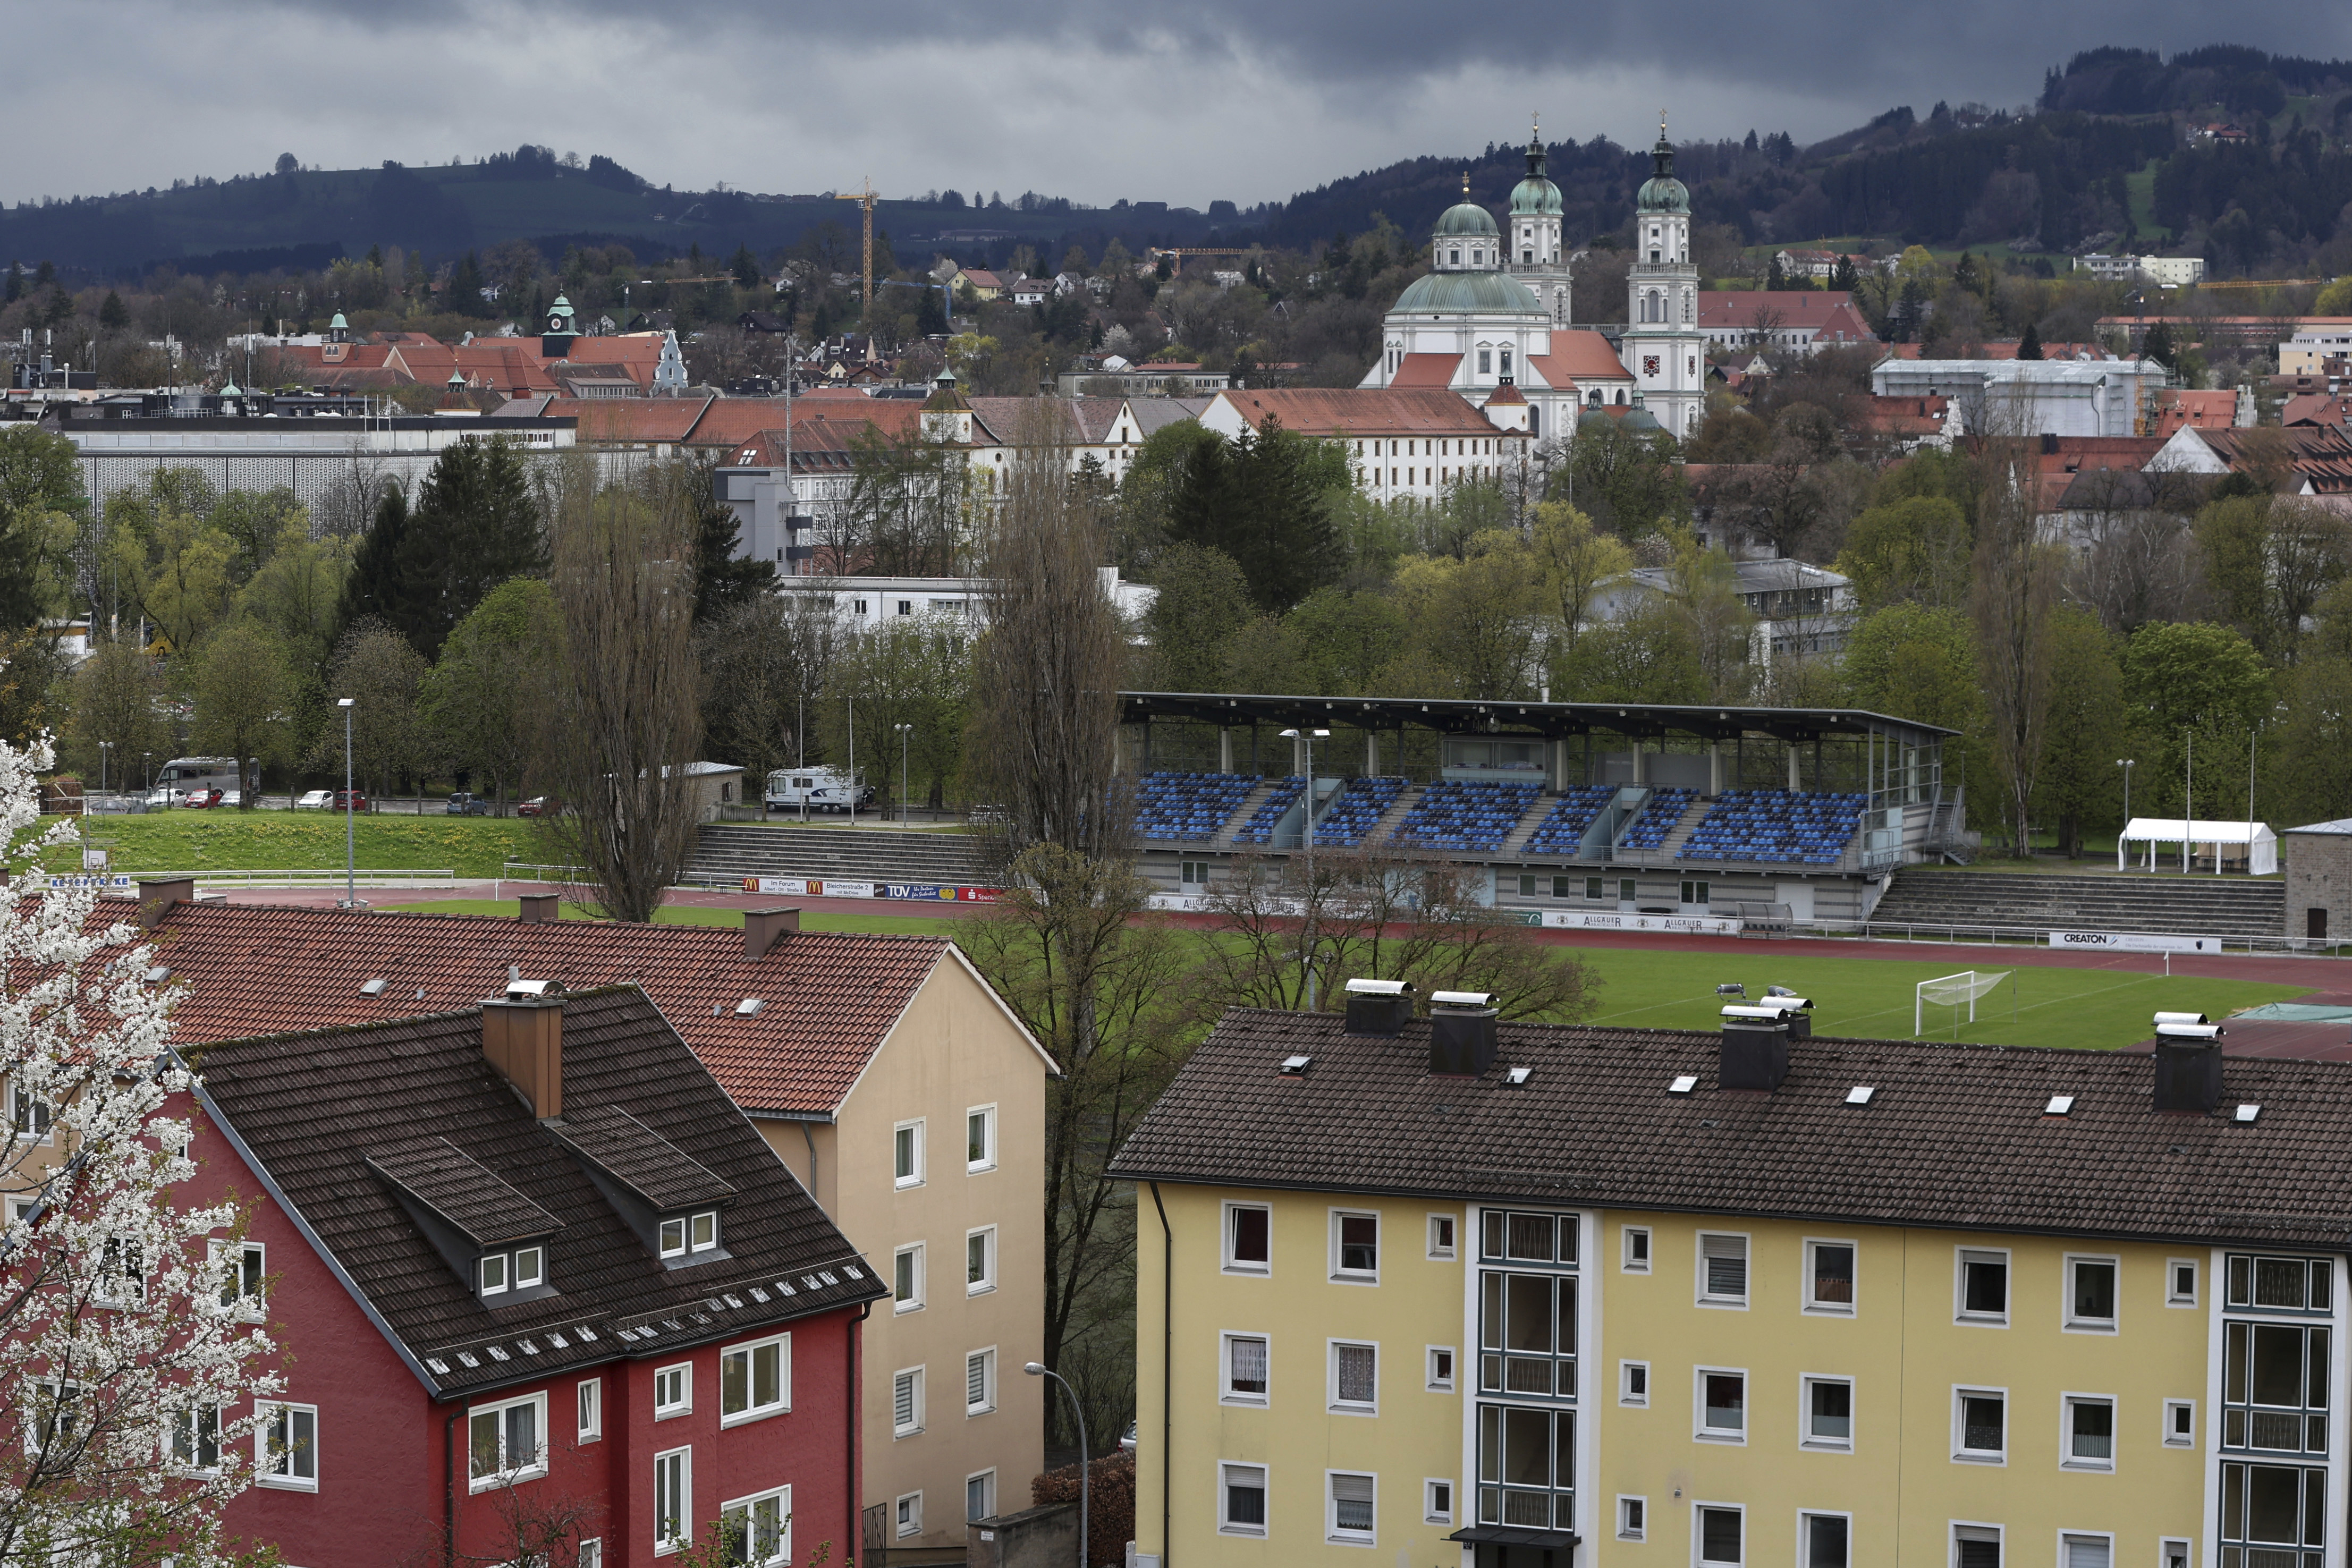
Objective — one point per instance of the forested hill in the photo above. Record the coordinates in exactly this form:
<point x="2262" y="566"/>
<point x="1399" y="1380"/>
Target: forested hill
<point x="2053" y="179"/>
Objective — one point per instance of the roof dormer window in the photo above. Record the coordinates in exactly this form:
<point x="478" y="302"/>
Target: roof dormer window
<point x="685" y="1236"/>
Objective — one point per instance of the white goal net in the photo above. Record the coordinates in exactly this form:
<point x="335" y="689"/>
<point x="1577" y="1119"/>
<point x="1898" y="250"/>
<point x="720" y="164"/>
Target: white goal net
<point x="1953" y="992"/>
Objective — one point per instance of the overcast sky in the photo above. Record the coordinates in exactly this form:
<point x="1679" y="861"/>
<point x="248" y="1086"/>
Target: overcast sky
<point x="1185" y="102"/>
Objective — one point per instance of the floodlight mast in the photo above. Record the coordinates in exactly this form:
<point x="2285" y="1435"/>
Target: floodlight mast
<point x="1309" y="737"/>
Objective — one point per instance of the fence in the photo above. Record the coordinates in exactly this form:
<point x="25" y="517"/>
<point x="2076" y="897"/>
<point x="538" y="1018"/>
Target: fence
<point x="2039" y="935"/>
<point x="309" y="877"/>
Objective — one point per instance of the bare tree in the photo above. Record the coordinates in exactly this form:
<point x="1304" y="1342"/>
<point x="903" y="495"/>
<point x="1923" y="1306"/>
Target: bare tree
<point x="375" y="667"/>
<point x="625" y="723"/>
<point x="2015" y="591"/>
<point x="765" y="663"/>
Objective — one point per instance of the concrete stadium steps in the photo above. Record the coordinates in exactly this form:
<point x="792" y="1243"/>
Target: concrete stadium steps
<point x="1679" y="834"/>
<point x="1515" y="843"/>
<point x="730" y="852"/>
<point x="1384" y="831"/>
<point x="1242" y="813"/>
<point x="2180" y="905"/>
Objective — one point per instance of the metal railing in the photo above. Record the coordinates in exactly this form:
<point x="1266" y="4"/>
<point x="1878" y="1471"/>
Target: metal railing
<point x="2039" y="936"/>
<point x="306" y="876"/>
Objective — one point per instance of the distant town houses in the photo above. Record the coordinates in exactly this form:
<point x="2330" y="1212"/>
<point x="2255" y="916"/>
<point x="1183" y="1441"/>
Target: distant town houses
<point x="2168" y="271"/>
<point x="1804" y="320"/>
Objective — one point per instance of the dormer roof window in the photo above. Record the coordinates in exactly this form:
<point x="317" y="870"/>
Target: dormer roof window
<point x="491" y="1234"/>
<point x="670" y="1199"/>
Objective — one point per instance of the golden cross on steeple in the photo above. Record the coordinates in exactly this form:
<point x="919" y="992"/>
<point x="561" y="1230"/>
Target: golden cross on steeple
<point x="1662" y="125"/>
<point x="1466" y="182"/>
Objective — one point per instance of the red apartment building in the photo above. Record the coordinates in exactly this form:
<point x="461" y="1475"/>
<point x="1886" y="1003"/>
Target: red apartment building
<point x="530" y="1263"/>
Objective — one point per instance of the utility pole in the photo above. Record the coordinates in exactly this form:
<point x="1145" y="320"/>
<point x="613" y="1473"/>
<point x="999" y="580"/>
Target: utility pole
<point x="865" y="198"/>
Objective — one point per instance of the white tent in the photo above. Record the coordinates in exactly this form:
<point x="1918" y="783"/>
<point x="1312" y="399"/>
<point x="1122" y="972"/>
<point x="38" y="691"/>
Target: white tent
<point x="2253" y="841"/>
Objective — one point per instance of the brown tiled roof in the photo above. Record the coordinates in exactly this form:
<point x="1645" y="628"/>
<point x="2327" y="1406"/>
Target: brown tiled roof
<point x="829" y="999"/>
<point x="310" y="1110"/>
<point x="1953" y="1135"/>
<point x="438" y="1174"/>
<point x="1425" y="370"/>
<point x="1578" y="356"/>
<point x="641" y="1159"/>
<point x="1360" y="412"/>
<point x="1826" y="313"/>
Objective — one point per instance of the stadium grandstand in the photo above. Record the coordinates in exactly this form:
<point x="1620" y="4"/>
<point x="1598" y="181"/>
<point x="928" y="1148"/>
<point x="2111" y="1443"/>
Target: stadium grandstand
<point x="1578" y="806"/>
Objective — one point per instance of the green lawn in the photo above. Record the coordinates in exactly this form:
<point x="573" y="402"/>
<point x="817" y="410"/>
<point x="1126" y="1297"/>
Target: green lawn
<point x="700" y="915"/>
<point x="295" y="841"/>
<point x="2097" y="1009"/>
<point x="2139" y="190"/>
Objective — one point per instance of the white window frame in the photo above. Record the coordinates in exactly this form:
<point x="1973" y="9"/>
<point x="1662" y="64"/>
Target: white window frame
<point x="2166" y="1554"/>
<point x="2000" y="1534"/>
<point x="1332" y="1535"/>
<point x="1961" y="1453"/>
<point x="664" y="1248"/>
<point x="987" y="1405"/>
<point x="783" y="1498"/>
<point x="1447" y="1249"/>
<point x="2172" y="1296"/>
<point x="1627" y="1262"/>
<point x="1812" y="1303"/>
<point x="986" y="1115"/>
<point x="1331" y="1399"/>
<point x="1634" y="1525"/>
<point x="2068" y="1537"/>
<point x="907" y="1515"/>
<point x="1355" y="1276"/>
<point x="917" y="1283"/>
<point x="1961" y="1257"/>
<point x="1806" y="1438"/>
<point x="2170" y="1435"/>
<point x="1700" y="1430"/>
<point x="1698" y="1535"/>
<point x="1805" y="1516"/>
<point x="538" y="1257"/>
<point x="914" y="1156"/>
<point x="694" y="1231"/>
<point x="188" y="1424"/>
<point x="2067" y="1402"/>
<point x="1701" y="1296"/>
<point x="749" y="1350"/>
<point x="988" y="1476"/>
<point x="914" y="1404"/>
<point x="2068" y="1322"/>
<point x="1227" y="1264"/>
<point x="1431" y="1510"/>
<point x="986" y="1235"/>
<point x="592" y="1552"/>
<point x="1627" y="1395"/>
<point x="21" y="1108"/>
<point x="498" y="1408"/>
<point x="684" y="1469"/>
<point x="227" y="1256"/>
<point x="1225" y="1395"/>
<point x="486" y="1267"/>
<point x="588" y="1408"/>
<point x="684" y="1403"/>
<point x="1452" y="1371"/>
<point x="1225" y="1526"/>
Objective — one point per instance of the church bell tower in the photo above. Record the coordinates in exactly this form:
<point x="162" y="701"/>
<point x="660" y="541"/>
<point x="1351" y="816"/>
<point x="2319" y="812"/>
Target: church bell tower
<point x="1664" y="347"/>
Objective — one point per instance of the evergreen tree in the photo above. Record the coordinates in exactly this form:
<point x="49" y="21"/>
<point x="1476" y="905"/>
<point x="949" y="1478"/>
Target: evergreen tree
<point x="721" y="581"/>
<point x="931" y="316"/>
<point x="1774" y="277"/>
<point x="465" y="288"/>
<point x="373" y="587"/>
<point x="2156" y="344"/>
<point x="15" y="287"/>
<point x="113" y="315"/>
<point x="475" y="525"/>
<point x="2029" y="346"/>
<point x="1259" y="499"/>
<point x="1846" y="277"/>
<point x="746" y="268"/>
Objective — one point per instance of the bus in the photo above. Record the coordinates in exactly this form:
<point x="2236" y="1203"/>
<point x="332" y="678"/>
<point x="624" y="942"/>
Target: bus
<point x="187" y="775"/>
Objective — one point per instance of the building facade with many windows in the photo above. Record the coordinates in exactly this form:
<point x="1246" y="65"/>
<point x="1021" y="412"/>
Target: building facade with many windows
<point x="1523" y="1295"/>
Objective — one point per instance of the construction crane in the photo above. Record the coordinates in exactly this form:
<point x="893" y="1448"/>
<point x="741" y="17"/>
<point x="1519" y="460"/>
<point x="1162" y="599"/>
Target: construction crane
<point x="864" y="197"/>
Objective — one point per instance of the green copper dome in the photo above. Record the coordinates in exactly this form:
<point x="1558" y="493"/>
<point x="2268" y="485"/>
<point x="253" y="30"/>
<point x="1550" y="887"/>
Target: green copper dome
<point x="1466" y="293"/>
<point x="1662" y="193"/>
<point x="338" y="324"/>
<point x="1534" y="196"/>
<point x="1467" y="220"/>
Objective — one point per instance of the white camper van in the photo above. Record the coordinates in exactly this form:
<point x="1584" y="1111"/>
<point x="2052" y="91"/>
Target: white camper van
<point x="817" y="788"/>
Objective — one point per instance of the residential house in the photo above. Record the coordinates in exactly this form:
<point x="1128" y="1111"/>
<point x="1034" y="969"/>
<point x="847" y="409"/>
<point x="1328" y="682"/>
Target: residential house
<point x="524" y="1260"/>
<point x="2178" y="407"/>
<point x="1404" y="444"/>
<point x="984" y="284"/>
<point x="1462" y="1292"/>
<point x="1818" y="264"/>
<point x="2314" y="343"/>
<point x="1799" y="609"/>
<point x="1116" y="376"/>
<point x="1805" y="320"/>
<point x="882" y="1071"/>
<point x="2319" y="455"/>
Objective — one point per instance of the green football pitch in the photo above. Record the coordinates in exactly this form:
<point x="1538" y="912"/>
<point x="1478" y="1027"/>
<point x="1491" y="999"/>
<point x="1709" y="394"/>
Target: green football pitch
<point x="2040" y="1004"/>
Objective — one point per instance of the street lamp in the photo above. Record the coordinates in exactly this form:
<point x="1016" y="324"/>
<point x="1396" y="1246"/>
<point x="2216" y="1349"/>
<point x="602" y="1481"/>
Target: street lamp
<point x="852" y="761"/>
<point x="351" y="858"/>
<point x="103" y="747"/>
<point x="904" y="730"/>
<point x="1084" y="1456"/>
<point x="2125" y="764"/>
<point x="1309" y="737"/>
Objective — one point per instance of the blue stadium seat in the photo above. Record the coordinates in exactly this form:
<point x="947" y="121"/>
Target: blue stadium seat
<point x="1188" y="808"/>
<point x="1473" y="815"/>
<point x="1259" y="829"/>
<point x="1783" y="826"/>
<point x="1361" y="803"/>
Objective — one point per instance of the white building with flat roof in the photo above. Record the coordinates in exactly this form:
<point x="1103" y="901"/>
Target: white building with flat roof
<point x="2031" y="397"/>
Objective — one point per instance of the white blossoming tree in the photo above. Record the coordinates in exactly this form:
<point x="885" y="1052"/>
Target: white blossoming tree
<point x="131" y="1352"/>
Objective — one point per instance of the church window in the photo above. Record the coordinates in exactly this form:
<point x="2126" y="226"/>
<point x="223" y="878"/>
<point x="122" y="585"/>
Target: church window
<point x="1486" y="361"/>
<point x="1454" y="255"/>
<point x="1526" y="257"/>
<point x="1506" y="359"/>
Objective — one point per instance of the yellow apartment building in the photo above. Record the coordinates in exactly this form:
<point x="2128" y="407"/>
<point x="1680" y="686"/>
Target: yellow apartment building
<point x="1458" y="1294"/>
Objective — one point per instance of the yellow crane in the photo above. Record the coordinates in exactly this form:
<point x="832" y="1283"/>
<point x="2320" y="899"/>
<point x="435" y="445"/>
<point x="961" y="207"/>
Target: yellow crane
<point x="864" y="197"/>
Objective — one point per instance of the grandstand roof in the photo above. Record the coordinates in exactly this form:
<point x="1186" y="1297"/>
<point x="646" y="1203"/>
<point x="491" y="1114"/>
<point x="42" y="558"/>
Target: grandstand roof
<point x="1549" y="720"/>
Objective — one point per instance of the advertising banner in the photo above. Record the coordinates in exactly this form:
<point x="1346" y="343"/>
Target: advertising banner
<point x="2134" y="941"/>
<point x="89" y="880"/>
<point x="1606" y="920"/>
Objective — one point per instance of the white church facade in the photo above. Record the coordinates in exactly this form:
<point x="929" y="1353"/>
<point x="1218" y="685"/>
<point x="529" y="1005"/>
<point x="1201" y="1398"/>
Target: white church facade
<point x="1493" y="313"/>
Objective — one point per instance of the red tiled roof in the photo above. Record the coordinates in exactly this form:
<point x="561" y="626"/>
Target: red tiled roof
<point x="656" y="419"/>
<point x="1364" y="411"/>
<point x="2178" y="406"/>
<point x="1824" y="312"/>
<point x="2317" y="407"/>
<point x="1578" y="356"/>
<point x="830" y="999"/>
<point x="1426" y="371"/>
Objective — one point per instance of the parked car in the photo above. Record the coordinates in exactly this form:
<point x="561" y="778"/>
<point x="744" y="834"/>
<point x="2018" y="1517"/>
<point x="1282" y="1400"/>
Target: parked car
<point x="463" y="804"/>
<point x="228" y="800"/>
<point x="167" y="796"/>
<point x="315" y="801"/>
<point x="540" y="806"/>
<point x="198" y="800"/>
<point x="358" y="801"/>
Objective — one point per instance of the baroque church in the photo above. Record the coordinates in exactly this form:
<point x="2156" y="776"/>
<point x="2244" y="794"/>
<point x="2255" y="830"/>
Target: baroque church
<point x="1490" y="320"/>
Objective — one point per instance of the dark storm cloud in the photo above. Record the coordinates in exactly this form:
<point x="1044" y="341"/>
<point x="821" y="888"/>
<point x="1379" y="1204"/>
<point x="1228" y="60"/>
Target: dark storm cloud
<point x="1238" y="99"/>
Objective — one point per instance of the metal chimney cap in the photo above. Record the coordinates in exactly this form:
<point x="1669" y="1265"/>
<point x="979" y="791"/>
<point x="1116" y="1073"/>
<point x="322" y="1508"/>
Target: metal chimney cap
<point x="517" y="988"/>
<point x="2188" y="1031"/>
<point x="1461" y="998"/>
<point x="1380" y="988"/>
<point x="2180" y="1017"/>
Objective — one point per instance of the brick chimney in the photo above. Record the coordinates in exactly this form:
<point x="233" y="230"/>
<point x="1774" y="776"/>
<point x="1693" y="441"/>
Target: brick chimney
<point x="156" y="898"/>
<point x="763" y="928"/>
<point x="522" y="1035"/>
<point x="2187" y="1063"/>
<point x="539" y="908"/>
<point x="1755" y="1048"/>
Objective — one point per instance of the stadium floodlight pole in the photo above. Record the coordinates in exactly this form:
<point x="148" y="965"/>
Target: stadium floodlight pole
<point x="904" y="730"/>
<point x="351" y="860"/>
<point x="2125" y="764"/>
<point x="1309" y="737"/>
<point x="852" y="761"/>
<point x="1085" y="1460"/>
<point x="2189" y="808"/>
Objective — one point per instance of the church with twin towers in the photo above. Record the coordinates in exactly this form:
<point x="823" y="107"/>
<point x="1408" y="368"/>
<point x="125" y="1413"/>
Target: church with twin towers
<point x="1494" y="310"/>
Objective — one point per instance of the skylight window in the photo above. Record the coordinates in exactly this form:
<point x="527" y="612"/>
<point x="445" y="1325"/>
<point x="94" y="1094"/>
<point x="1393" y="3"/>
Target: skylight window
<point x="1294" y="1066"/>
<point x="2247" y="1114"/>
<point x="1860" y="1094"/>
<point x="1684" y="1084"/>
<point x="1518" y="1074"/>
<point x="373" y="987"/>
<point x="158" y="974"/>
<point x="2059" y="1105"/>
<point x="748" y="1007"/>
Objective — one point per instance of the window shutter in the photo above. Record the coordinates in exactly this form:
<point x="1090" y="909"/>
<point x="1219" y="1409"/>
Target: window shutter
<point x="975" y="1380"/>
<point x="1726" y="1265"/>
<point x="902" y="1399"/>
<point x="2082" y="1551"/>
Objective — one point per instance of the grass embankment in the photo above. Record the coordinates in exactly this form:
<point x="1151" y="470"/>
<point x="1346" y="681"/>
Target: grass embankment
<point x="701" y="915"/>
<point x="298" y="840"/>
